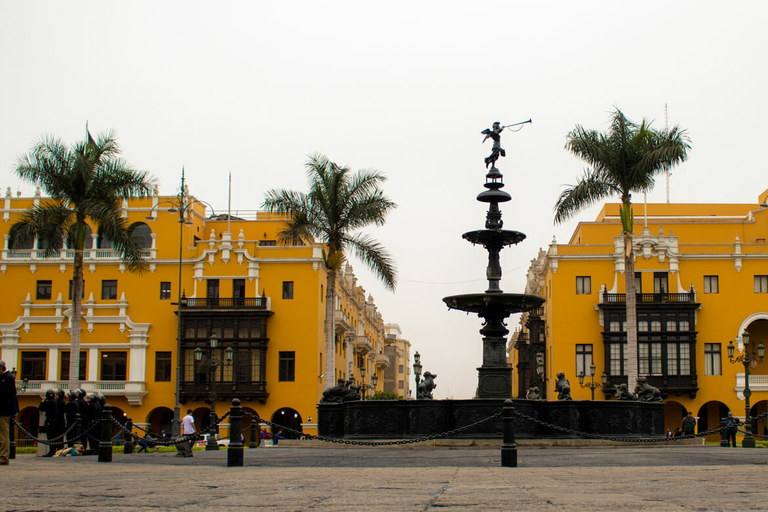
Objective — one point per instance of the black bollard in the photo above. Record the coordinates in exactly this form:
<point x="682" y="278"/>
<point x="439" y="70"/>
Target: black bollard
<point x="78" y="431"/>
<point x="235" y="448"/>
<point x="723" y="433"/>
<point x="105" y="440"/>
<point x="128" y="445"/>
<point x="508" y="445"/>
<point x="253" y="442"/>
<point x="12" y="438"/>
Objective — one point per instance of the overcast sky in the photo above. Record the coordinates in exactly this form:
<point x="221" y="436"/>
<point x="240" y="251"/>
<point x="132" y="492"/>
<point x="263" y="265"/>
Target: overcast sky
<point x="252" y="88"/>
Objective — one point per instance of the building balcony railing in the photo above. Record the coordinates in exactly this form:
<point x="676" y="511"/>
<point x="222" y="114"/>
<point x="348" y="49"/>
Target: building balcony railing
<point x="342" y="321"/>
<point x="68" y="254"/>
<point x="757" y="383"/>
<point x="224" y="303"/>
<point x="651" y="298"/>
<point x="133" y="391"/>
<point x="382" y="361"/>
<point x="227" y="389"/>
<point x="363" y="344"/>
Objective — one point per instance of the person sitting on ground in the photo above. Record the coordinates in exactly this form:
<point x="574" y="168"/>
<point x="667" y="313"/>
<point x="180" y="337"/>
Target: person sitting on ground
<point x="70" y="451"/>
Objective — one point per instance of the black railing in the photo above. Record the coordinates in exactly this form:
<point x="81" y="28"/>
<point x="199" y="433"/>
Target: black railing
<point x="228" y="303"/>
<point x="224" y="388"/>
<point x="652" y="298"/>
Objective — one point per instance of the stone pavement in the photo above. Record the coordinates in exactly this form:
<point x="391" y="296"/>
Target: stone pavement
<point x="296" y="478"/>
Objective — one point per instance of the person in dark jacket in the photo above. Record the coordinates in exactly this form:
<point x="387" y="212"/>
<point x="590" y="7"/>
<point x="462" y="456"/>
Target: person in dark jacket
<point x="93" y="413"/>
<point x="731" y="427"/>
<point x="61" y="422"/>
<point x="48" y="411"/>
<point x="71" y="411"/>
<point x="9" y="406"/>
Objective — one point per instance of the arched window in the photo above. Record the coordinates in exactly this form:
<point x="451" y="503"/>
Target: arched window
<point x="104" y="242"/>
<point x="142" y="234"/>
<point x="88" y="239"/>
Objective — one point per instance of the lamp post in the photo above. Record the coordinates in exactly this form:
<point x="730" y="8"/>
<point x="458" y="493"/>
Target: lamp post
<point x="182" y="205"/>
<point x="747" y="360"/>
<point x="417" y="371"/>
<point x="592" y="385"/>
<point x="362" y="380"/>
<point x="374" y="381"/>
<point x="213" y="363"/>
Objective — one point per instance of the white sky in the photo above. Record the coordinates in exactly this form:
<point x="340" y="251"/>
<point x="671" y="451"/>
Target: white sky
<point x="403" y="87"/>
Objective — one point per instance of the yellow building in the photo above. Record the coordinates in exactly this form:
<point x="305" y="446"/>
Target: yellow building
<point x="702" y="280"/>
<point x="221" y="277"/>
<point x="398" y="350"/>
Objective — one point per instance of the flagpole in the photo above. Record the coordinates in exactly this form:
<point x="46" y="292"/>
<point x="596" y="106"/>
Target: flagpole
<point x="229" y="204"/>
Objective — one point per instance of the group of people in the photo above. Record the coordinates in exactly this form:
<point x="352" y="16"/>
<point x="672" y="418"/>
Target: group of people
<point x="58" y="413"/>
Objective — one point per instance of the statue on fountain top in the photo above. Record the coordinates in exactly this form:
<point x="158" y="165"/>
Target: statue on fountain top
<point x="497" y="151"/>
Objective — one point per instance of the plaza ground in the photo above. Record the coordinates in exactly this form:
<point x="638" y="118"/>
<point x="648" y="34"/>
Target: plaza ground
<point x="296" y="478"/>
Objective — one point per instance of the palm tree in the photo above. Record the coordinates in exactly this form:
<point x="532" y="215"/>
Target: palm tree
<point x="84" y="183"/>
<point x="626" y="159"/>
<point x="337" y="205"/>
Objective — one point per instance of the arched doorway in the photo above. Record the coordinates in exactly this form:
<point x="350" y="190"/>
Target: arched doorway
<point x="160" y="421"/>
<point x="709" y="416"/>
<point x="252" y="435"/>
<point x="29" y="419"/>
<point x="290" y="418"/>
<point x="674" y="412"/>
<point x="759" y="427"/>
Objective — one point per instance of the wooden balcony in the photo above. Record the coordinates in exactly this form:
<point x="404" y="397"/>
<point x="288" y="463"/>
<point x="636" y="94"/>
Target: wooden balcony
<point x="225" y="303"/>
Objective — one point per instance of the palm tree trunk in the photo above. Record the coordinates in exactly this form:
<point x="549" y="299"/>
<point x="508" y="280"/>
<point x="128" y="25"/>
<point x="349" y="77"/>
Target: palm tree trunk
<point x="74" y="347"/>
<point x="631" y="302"/>
<point x="330" y="329"/>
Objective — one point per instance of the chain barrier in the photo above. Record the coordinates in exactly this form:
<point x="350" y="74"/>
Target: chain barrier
<point x="375" y="443"/>
<point x="58" y="439"/>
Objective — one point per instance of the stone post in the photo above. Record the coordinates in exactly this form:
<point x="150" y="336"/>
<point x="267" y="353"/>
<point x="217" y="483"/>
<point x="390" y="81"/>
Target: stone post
<point x="235" y="449"/>
<point x="255" y="437"/>
<point x="508" y="445"/>
<point x="105" y="440"/>
<point x="723" y="433"/>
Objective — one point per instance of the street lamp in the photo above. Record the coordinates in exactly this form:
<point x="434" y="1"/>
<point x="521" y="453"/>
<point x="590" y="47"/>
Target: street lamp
<point x="362" y="380"/>
<point x="417" y="371"/>
<point x="182" y="204"/>
<point x="374" y="381"/>
<point x="213" y="363"/>
<point x="747" y="360"/>
<point x="592" y="385"/>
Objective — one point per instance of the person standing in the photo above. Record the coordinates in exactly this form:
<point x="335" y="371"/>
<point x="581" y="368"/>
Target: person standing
<point x="9" y="406"/>
<point x="70" y="413"/>
<point x="731" y="427"/>
<point x="188" y="430"/>
<point x="689" y="425"/>
<point x="48" y="411"/>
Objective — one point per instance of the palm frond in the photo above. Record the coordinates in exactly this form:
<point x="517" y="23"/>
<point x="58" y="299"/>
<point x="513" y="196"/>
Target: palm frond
<point x="588" y="190"/>
<point x="373" y="254"/>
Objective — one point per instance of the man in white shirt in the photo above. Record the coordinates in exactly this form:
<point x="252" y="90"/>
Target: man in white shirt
<point x="188" y="429"/>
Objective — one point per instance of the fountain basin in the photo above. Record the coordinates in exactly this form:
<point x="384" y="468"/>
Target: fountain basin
<point x="404" y="419"/>
<point x="481" y="303"/>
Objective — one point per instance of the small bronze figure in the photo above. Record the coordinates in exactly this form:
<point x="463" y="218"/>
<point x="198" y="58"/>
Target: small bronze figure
<point x="563" y="387"/>
<point x="497" y="151"/>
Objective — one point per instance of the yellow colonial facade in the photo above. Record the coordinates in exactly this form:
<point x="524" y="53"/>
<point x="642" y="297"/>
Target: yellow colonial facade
<point x="224" y="277"/>
<point x="701" y="272"/>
